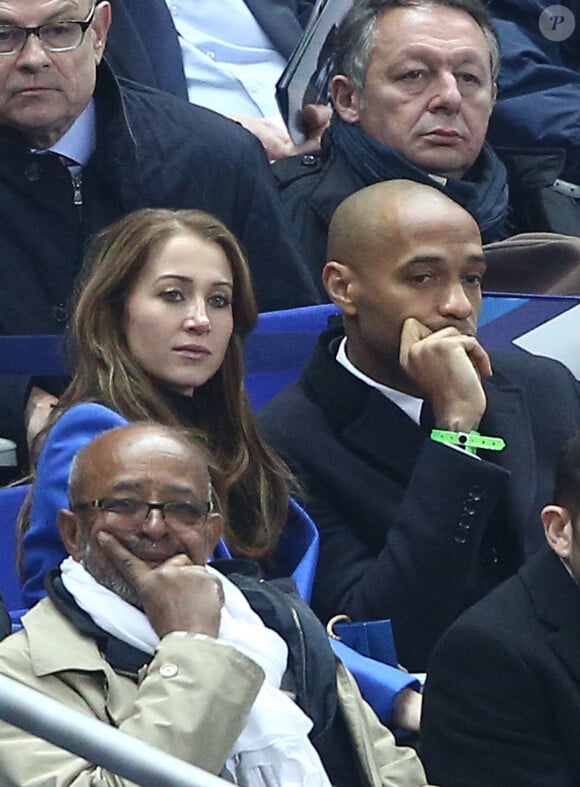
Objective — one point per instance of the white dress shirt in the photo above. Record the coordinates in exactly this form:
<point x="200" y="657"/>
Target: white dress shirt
<point x="231" y="66"/>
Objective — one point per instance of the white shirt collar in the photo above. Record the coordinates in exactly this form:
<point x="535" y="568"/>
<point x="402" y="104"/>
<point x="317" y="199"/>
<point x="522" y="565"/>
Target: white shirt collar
<point x="80" y="140"/>
<point x="410" y="405"/>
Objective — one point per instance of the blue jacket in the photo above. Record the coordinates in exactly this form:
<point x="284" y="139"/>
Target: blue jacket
<point x="538" y="104"/>
<point x="42" y="545"/>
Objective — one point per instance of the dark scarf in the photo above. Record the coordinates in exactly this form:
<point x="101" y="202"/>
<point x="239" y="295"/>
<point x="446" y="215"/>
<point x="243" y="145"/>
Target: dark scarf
<point x="483" y="192"/>
<point x="123" y="658"/>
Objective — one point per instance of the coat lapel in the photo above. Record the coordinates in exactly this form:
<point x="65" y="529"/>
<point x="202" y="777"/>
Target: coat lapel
<point x="279" y="22"/>
<point x="556" y="599"/>
<point x="367" y="421"/>
<point x="385" y="435"/>
<point x="153" y="45"/>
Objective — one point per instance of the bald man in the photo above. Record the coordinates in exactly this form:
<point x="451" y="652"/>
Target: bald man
<point x="138" y="632"/>
<point x="425" y="462"/>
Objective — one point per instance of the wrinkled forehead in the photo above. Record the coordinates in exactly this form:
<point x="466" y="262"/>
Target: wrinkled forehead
<point x="31" y="12"/>
<point x="124" y="460"/>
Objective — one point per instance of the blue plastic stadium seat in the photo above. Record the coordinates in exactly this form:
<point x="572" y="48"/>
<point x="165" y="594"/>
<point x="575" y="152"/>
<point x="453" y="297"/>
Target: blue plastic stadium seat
<point x="11" y="499"/>
<point x="279" y="347"/>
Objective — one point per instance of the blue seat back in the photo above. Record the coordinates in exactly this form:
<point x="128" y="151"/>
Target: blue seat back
<point x="11" y="499"/>
<point x="277" y="350"/>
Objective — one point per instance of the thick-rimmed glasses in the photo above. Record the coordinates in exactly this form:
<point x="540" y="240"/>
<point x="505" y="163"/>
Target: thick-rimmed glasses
<point x="129" y="512"/>
<point x="62" y="36"/>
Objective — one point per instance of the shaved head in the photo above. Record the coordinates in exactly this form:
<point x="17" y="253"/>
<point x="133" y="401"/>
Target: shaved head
<point x="368" y="221"/>
<point x="399" y="250"/>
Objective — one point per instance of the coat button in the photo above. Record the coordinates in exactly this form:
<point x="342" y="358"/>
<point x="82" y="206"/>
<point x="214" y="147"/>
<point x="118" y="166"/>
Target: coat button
<point x="168" y="670"/>
<point x="308" y="160"/>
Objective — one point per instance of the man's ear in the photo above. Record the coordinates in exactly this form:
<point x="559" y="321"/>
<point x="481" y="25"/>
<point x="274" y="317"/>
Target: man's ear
<point x="100" y="28"/>
<point x="558" y="528"/>
<point x="345" y="99"/>
<point x="70" y="532"/>
<point x="337" y="279"/>
<point x="215" y="530"/>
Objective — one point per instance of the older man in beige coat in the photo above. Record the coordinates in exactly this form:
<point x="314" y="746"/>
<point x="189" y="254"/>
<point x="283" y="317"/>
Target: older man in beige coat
<point x="139" y="632"/>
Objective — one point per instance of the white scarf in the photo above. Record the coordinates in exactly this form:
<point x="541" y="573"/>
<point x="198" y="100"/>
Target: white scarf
<point x="273" y="749"/>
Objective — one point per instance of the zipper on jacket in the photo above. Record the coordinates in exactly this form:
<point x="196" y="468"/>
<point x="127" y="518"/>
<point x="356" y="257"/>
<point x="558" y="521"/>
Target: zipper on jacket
<point x="298" y="625"/>
<point x="300" y="689"/>
<point x="77" y="181"/>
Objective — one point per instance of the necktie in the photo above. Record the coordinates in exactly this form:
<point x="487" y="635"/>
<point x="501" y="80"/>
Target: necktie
<point x="66" y="161"/>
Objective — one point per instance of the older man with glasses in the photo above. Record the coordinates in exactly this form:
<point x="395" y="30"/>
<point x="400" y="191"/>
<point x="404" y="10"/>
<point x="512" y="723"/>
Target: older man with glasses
<point x="139" y="632"/>
<point x="79" y="149"/>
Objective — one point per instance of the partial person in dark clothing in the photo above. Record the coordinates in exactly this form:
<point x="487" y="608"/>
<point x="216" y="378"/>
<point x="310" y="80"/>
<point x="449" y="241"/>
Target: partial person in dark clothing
<point x="502" y="698"/>
<point x="535" y="126"/>
<point x="413" y="90"/>
<point x="126" y="147"/>
<point x="226" y="58"/>
<point x="412" y="529"/>
<point x="538" y="103"/>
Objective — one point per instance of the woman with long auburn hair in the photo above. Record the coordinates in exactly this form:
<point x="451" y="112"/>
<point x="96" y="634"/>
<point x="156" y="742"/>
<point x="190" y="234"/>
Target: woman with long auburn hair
<point x="157" y="335"/>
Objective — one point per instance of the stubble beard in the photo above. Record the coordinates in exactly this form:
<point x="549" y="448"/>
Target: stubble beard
<point x="107" y="575"/>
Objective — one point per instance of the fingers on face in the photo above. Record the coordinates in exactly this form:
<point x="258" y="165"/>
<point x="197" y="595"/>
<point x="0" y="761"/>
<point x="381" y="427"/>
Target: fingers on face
<point x="128" y="565"/>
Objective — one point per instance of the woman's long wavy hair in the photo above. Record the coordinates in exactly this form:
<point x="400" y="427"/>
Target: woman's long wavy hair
<point x="254" y="482"/>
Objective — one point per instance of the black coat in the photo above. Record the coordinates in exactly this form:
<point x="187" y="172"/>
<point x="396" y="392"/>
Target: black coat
<point x="143" y="44"/>
<point x="152" y="150"/>
<point x="412" y="529"/>
<point x="502" y="699"/>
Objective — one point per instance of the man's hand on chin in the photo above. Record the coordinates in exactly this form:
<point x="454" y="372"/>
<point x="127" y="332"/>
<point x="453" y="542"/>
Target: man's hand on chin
<point x="177" y="595"/>
<point x="446" y="365"/>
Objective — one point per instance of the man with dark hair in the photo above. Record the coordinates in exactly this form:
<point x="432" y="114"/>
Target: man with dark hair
<point x="424" y="461"/>
<point x="502" y="699"/>
<point x="141" y="633"/>
<point x="413" y="89"/>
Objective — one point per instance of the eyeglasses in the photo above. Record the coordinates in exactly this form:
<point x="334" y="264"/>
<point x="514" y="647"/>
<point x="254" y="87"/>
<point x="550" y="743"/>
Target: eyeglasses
<point x="60" y="36"/>
<point x="134" y="513"/>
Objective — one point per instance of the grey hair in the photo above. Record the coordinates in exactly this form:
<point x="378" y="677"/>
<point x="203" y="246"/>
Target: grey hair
<point x="75" y="481"/>
<point x="355" y="37"/>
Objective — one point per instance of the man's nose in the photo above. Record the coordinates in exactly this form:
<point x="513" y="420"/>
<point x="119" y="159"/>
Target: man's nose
<point x="455" y="302"/>
<point x="33" y="55"/>
<point x="154" y="525"/>
<point x="446" y="94"/>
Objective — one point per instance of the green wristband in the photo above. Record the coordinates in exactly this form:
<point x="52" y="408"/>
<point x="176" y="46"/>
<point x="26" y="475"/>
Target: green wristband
<point x="469" y="441"/>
